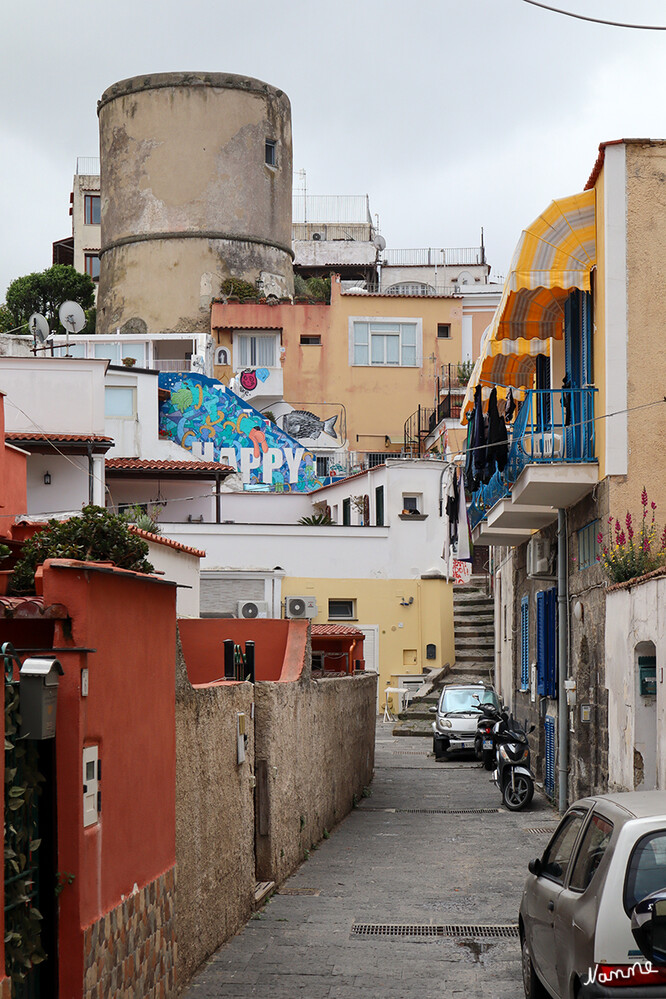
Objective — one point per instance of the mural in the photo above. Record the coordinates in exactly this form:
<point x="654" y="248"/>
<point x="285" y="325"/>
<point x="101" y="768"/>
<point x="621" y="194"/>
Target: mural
<point x="205" y="417"/>
<point x="302" y="424"/>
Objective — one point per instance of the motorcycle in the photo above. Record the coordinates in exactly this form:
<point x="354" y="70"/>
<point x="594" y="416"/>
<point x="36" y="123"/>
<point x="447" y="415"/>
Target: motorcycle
<point x="512" y="774"/>
<point x="484" y="745"/>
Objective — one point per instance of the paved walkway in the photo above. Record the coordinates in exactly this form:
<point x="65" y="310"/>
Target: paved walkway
<point x="397" y="859"/>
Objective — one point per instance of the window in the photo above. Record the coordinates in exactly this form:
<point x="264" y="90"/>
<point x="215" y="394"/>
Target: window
<point x="444" y="331"/>
<point x="645" y="872"/>
<point x="379" y="506"/>
<point x="558" y="852"/>
<point x="119" y="402"/>
<point x="92" y="214"/>
<point x="595" y="841"/>
<point x="91" y="263"/>
<point x="386" y="344"/>
<point x="311" y="341"/>
<point x="346" y="512"/>
<point x="546" y="643"/>
<point x="322" y="467"/>
<point x="254" y="351"/>
<point x="524" y="643"/>
<point x="412" y="503"/>
<point x="116" y="352"/>
<point x="270" y="157"/>
<point x="341" y="610"/>
<point x="588" y="546"/>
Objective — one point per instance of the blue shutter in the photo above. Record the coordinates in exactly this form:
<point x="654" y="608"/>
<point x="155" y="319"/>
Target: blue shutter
<point x="524" y="644"/>
<point x="549" y="768"/>
<point x="541" y="642"/>
<point x="551" y="641"/>
<point x="586" y="337"/>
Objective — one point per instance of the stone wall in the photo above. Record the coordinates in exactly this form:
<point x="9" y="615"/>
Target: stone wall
<point x="132" y="949"/>
<point x="315" y="745"/>
<point x="214" y="818"/>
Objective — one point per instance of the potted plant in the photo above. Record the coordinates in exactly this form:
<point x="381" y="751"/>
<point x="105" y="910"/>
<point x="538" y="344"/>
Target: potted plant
<point x="129" y="362"/>
<point x="5" y="574"/>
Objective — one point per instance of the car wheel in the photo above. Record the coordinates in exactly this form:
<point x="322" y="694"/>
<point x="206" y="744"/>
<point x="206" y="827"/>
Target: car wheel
<point x="439" y="748"/>
<point x="520" y="794"/>
<point x="531" y="982"/>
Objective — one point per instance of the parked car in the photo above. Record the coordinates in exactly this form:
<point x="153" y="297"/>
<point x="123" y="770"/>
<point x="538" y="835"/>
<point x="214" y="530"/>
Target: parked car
<point x="457" y="714"/>
<point x="607" y="854"/>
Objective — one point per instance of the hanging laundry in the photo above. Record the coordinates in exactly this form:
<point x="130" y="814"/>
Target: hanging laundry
<point x="566" y="400"/>
<point x="509" y="406"/>
<point x="469" y="456"/>
<point x="463" y="548"/>
<point x="497" y="450"/>
<point x="450" y="501"/>
<point x="478" y="441"/>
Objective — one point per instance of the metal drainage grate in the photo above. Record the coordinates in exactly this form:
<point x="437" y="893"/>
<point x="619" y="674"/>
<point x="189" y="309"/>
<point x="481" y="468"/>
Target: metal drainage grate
<point x="299" y="891"/>
<point x="541" y="829"/>
<point x="466" y="932"/>
<point x="433" y="811"/>
<point x="410" y="752"/>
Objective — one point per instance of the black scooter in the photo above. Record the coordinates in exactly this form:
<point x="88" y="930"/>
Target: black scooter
<point x="513" y="775"/>
<point x="484" y="743"/>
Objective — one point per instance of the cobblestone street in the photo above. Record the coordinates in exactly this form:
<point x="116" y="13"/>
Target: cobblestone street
<point x="411" y="855"/>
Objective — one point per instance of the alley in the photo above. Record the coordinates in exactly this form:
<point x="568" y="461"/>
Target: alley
<point x="429" y="849"/>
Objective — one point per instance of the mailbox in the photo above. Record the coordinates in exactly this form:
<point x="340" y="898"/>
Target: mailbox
<point x="647" y="673"/>
<point x="38" y="691"/>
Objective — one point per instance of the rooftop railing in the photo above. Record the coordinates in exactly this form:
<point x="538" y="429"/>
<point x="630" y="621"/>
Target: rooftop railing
<point x="88" y="165"/>
<point x="312" y="208"/>
<point x="429" y="256"/>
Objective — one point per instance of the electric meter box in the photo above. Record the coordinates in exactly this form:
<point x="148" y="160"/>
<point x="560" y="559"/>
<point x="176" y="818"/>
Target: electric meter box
<point x="38" y="692"/>
<point x="647" y="673"/>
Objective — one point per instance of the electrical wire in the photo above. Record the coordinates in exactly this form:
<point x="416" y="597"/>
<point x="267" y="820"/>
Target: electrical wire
<point x="597" y="20"/>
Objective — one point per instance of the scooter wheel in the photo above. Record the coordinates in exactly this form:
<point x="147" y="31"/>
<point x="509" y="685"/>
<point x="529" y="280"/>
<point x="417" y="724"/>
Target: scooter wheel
<point x="518" y="796"/>
<point x="488" y="759"/>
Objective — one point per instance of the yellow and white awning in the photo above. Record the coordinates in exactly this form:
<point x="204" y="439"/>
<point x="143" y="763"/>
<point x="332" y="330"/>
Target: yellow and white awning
<point x="554" y="255"/>
<point x="503" y="364"/>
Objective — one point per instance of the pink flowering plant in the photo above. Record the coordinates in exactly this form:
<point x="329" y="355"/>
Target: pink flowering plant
<point x="632" y="552"/>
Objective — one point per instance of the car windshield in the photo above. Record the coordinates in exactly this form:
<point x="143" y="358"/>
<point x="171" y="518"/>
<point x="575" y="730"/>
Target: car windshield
<point x="457" y="701"/>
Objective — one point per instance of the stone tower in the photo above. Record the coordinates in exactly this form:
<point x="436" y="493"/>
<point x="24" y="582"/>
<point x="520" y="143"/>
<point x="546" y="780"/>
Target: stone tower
<point x="196" y="172"/>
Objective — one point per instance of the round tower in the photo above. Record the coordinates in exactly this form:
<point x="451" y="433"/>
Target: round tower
<point x="196" y="172"/>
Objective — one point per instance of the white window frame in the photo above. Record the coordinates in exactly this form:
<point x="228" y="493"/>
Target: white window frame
<point x="383" y="326"/>
<point x="342" y="617"/>
<point x="108" y="389"/>
<point x="241" y="335"/>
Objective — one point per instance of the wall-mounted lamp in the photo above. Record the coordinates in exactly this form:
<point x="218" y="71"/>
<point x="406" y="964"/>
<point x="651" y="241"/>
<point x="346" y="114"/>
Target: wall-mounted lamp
<point x="47" y="478"/>
<point x="407" y="603"/>
<point x="387" y="441"/>
<point x="578" y="611"/>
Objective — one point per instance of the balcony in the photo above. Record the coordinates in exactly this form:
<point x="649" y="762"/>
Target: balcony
<point x="551" y="464"/>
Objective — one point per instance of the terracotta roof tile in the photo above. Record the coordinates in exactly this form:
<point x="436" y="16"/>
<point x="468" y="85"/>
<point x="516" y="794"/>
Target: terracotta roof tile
<point x="149" y="465"/>
<point x="158" y="539"/>
<point x="16" y="435"/>
<point x="335" y="630"/>
<point x="637" y="580"/>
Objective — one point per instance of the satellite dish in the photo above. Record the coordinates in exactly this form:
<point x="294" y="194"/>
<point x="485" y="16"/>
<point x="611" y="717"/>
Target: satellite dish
<point x="379" y="242"/>
<point x="72" y="317"/>
<point x="38" y="326"/>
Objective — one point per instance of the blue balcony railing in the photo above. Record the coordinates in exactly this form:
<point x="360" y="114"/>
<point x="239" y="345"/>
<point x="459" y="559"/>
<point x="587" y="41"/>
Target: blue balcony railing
<point x="554" y="426"/>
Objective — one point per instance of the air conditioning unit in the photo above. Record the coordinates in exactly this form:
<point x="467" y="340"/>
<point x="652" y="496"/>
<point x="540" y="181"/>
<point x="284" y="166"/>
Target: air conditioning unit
<point x="538" y="557"/>
<point x="252" y="608"/>
<point x="300" y="607"/>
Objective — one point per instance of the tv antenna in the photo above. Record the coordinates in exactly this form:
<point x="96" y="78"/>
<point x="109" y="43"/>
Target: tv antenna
<point x="73" y="318"/>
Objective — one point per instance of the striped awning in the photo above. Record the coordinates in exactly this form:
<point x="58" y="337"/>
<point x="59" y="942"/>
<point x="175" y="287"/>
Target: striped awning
<point x="503" y="364"/>
<point x="554" y="255"/>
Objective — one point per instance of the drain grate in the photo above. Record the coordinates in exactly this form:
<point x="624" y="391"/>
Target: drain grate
<point x="541" y="829"/>
<point x="433" y="811"/>
<point x="466" y="932"/>
<point x="299" y="891"/>
<point x="410" y="752"/>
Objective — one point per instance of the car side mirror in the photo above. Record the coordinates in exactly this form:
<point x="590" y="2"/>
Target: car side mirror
<point x="648" y="926"/>
<point x="534" y="866"/>
<point x="433" y="708"/>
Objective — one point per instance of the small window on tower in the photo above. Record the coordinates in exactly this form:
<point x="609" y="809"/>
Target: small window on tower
<point x="271" y="153"/>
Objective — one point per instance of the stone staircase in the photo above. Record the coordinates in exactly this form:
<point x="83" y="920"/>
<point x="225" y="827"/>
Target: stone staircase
<point x="474" y="628"/>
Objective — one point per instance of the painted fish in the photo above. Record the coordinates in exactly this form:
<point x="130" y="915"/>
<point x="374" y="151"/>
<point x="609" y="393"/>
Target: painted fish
<point x="302" y="424"/>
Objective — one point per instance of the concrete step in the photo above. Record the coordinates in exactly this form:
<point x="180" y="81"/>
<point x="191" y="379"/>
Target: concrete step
<point x="473" y="641"/>
<point x="419" y="728"/>
<point x="473" y="615"/>
<point x="410" y="715"/>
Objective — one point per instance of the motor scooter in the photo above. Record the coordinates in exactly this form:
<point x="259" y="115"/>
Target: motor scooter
<point x="512" y="773"/>
<point x="484" y="745"/>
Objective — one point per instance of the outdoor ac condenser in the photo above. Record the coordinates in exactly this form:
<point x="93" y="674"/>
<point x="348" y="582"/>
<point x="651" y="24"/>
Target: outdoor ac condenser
<point x="538" y="557"/>
<point x="252" y="608"/>
<point x="300" y="607"/>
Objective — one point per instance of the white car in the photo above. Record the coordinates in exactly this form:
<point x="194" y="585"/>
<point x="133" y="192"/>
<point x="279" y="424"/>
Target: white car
<point x="457" y="715"/>
<point x="607" y="854"/>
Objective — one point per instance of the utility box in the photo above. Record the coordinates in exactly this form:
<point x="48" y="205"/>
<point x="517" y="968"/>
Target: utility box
<point x="38" y="692"/>
<point x="647" y="672"/>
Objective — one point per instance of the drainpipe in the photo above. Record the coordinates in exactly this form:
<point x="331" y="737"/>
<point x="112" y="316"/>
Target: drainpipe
<point x="91" y="475"/>
<point x="563" y="661"/>
<point x="217" y="497"/>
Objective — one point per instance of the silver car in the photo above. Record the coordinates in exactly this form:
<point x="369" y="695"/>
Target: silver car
<point x="606" y="855"/>
<point x="457" y="714"/>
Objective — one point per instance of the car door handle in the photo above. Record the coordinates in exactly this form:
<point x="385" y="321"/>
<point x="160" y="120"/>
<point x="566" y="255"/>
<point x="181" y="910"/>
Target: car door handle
<point x="551" y="906"/>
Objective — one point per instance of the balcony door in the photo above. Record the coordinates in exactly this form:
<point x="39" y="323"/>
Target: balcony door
<point x="578" y="371"/>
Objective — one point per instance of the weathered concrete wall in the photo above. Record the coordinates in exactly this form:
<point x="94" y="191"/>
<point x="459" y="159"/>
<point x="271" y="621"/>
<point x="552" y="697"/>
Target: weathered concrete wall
<point x="188" y="198"/>
<point x="214" y="818"/>
<point x="315" y="743"/>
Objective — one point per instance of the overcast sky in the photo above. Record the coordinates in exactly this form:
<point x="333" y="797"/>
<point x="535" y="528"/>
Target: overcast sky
<point x="451" y="116"/>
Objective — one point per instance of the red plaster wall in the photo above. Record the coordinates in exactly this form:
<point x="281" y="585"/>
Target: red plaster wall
<point x="130" y="713"/>
<point x="350" y="648"/>
<point x="279" y="646"/>
<point x="13" y="489"/>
